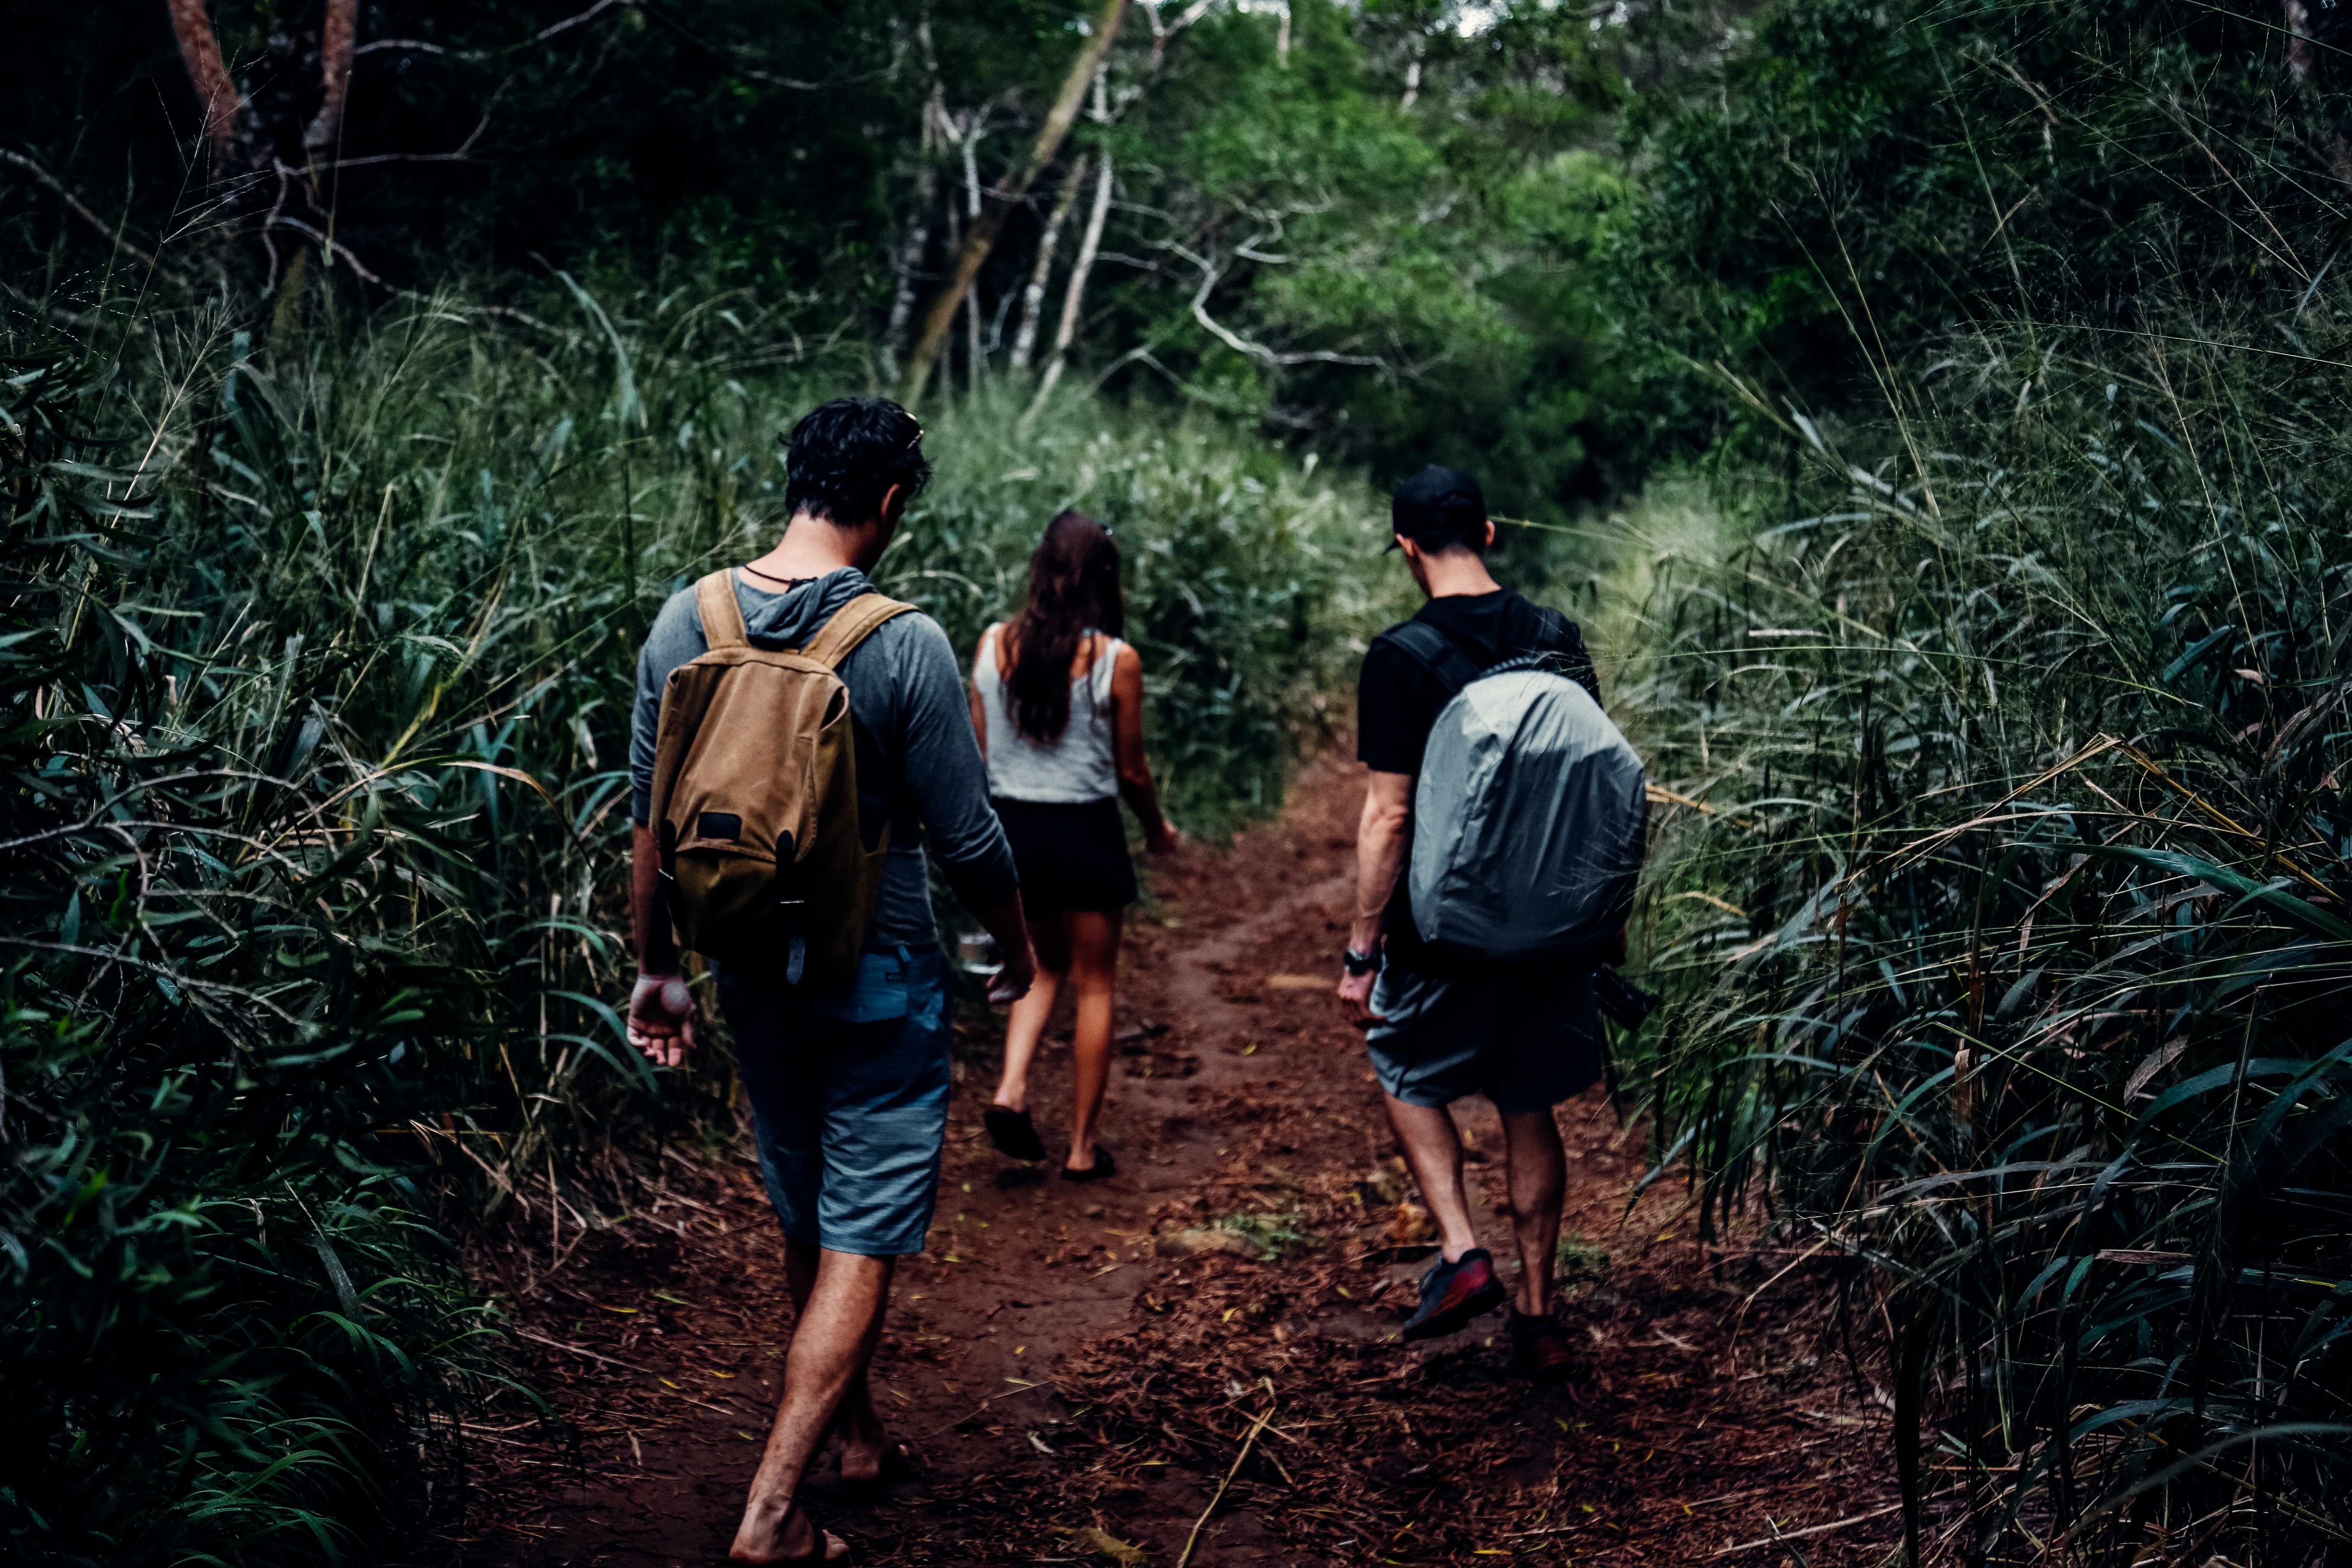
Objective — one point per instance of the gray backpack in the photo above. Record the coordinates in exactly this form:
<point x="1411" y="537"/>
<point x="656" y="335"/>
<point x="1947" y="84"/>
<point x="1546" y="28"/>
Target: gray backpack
<point x="1530" y="817"/>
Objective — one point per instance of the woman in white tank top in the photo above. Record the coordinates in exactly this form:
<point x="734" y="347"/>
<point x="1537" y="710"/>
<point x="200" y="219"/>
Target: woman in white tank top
<point x="1057" y="703"/>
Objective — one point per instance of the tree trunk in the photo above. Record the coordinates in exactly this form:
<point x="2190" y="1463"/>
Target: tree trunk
<point x="918" y="226"/>
<point x="983" y="238"/>
<point x="910" y="262"/>
<point x="1075" y="300"/>
<point x="339" y="32"/>
<point x="200" y="51"/>
<point x="972" y="355"/>
<point x="1033" y="297"/>
<point x="955" y="247"/>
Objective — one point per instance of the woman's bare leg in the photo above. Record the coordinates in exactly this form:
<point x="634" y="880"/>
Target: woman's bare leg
<point x="1093" y="975"/>
<point x="1050" y="935"/>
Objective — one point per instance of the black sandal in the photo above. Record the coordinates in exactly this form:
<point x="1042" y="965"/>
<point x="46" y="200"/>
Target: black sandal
<point x="1014" y="1134"/>
<point x="1103" y="1167"/>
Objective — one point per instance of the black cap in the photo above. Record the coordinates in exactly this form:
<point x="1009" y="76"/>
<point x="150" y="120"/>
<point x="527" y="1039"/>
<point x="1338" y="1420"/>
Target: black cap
<point x="1437" y="500"/>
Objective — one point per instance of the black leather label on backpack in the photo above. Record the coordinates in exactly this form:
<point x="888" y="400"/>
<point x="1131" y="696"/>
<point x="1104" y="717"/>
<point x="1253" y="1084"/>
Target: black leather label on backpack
<point x="718" y="824"/>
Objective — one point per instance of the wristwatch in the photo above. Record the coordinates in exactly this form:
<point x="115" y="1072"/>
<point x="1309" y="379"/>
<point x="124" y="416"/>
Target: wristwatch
<point x="1360" y="963"/>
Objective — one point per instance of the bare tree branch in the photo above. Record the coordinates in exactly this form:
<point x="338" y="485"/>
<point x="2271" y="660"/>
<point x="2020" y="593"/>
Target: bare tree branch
<point x="1162" y="34"/>
<point x="277" y="220"/>
<point x="208" y="72"/>
<point x="1239" y="344"/>
<point x="569" y="23"/>
<point x="458" y="156"/>
<point x="83" y="212"/>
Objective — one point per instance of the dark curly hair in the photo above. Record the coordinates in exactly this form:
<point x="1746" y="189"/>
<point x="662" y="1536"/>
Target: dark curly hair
<point x="1073" y="589"/>
<point x="847" y="453"/>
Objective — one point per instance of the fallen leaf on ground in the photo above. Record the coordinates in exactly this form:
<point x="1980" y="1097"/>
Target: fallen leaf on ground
<point x="1087" y="1538"/>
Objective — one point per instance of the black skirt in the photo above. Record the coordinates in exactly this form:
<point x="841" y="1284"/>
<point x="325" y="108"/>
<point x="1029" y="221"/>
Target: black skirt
<point x="1069" y="857"/>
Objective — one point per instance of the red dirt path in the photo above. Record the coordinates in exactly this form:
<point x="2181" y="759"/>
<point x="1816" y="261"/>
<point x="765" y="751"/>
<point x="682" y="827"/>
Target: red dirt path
<point x="1072" y="1393"/>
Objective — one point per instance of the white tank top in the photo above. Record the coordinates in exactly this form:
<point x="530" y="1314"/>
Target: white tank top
<point x="1081" y="766"/>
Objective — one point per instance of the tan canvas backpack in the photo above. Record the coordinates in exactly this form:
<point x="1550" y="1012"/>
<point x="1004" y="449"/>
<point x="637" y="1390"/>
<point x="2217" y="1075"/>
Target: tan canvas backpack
<point x="755" y="797"/>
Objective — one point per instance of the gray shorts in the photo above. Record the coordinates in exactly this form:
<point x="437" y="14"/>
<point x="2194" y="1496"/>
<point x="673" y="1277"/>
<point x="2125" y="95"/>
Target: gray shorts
<point x="849" y="1099"/>
<point x="1525" y="1038"/>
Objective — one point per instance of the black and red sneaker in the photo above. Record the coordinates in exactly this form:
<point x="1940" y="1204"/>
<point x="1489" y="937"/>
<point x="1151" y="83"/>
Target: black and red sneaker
<point x="1453" y="1293"/>
<point x="1541" y="1347"/>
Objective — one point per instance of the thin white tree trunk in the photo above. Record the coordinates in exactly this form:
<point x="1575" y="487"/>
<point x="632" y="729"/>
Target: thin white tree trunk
<point x="1033" y="297"/>
<point x="1075" y="300"/>
<point x="947" y="350"/>
<point x="972" y="355"/>
<point x="918" y="224"/>
<point x="910" y="264"/>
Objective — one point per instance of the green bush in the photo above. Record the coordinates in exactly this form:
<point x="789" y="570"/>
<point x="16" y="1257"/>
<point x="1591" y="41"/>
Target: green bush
<point x="2006" y="912"/>
<point x="229" y="1324"/>
<point x="318" y="668"/>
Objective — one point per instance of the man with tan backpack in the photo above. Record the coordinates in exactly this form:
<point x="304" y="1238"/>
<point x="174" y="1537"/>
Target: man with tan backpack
<point x="797" y="737"/>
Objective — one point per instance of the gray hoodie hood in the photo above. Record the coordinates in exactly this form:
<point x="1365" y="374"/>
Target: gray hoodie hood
<point x="790" y="618"/>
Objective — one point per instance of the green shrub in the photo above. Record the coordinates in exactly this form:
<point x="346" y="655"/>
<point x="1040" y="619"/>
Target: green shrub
<point x="318" y="670"/>
<point x="2006" y="912"/>
<point x="231" y="972"/>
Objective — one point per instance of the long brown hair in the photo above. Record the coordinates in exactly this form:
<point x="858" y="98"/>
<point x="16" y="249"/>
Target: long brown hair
<point x="1073" y="589"/>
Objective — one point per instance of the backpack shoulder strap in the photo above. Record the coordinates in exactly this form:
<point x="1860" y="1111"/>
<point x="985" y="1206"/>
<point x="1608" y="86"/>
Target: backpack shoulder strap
<point x="722" y="614"/>
<point x="851" y="624"/>
<point x="1438" y="654"/>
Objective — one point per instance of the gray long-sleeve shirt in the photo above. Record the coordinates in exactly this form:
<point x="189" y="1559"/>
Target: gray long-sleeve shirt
<point x="919" y="767"/>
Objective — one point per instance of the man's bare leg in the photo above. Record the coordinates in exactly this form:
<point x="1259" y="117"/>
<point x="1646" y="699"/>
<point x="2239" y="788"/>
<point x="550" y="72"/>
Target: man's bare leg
<point x="1538" y="1182"/>
<point x="1434" y="1149"/>
<point x="859" y="1424"/>
<point x="840" y="1324"/>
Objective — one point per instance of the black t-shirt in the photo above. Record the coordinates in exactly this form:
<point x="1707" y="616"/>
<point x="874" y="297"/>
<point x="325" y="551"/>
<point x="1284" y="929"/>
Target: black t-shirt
<point x="1398" y="697"/>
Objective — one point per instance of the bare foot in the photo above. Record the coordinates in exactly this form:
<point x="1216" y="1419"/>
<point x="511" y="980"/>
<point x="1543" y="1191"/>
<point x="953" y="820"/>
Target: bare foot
<point x="863" y="1438"/>
<point x="772" y="1540"/>
<point x="864" y="1460"/>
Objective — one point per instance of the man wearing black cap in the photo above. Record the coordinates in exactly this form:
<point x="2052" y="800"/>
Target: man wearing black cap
<point x="1526" y="1038"/>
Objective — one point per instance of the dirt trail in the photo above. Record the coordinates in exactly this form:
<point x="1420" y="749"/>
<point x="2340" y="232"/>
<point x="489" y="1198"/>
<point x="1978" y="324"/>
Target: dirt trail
<point x="1077" y="1377"/>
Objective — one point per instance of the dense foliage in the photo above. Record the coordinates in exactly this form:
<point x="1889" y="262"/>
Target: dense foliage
<point x="1993" y="665"/>
<point x="1863" y="179"/>
<point x="1352" y="221"/>
<point x="2012" y="913"/>
<point x="2008" y="897"/>
<point x="233" y="971"/>
<point x="320" y="674"/>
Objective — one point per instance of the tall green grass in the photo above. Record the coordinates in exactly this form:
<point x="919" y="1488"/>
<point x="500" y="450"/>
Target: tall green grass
<point x="317" y="660"/>
<point x="2006" y="906"/>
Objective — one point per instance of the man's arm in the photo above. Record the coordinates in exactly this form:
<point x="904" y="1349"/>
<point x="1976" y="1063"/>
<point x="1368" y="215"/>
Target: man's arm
<point x="661" y="1008"/>
<point x="1381" y="837"/>
<point x="661" y="1014"/>
<point x="945" y="774"/>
